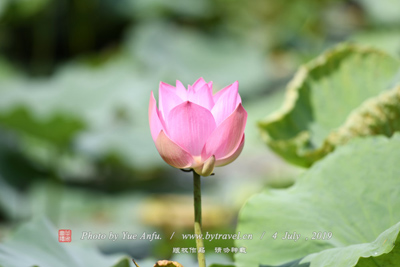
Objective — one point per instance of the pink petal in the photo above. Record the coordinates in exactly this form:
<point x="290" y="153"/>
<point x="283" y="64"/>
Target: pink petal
<point x="189" y="125"/>
<point x="235" y="85"/>
<point x="168" y="99"/>
<point x="199" y="84"/>
<point x="154" y="120"/>
<point x="210" y="84"/>
<point x="181" y="91"/>
<point x="206" y="168"/>
<point x="226" y="102"/>
<point x="203" y="97"/>
<point x="232" y="157"/>
<point x="227" y="136"/>
<point x="167" y="86"/>
<point x="172" y="153"/>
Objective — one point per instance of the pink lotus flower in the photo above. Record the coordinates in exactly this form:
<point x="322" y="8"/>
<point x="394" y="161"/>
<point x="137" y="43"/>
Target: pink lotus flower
<point x="194" y="128"/>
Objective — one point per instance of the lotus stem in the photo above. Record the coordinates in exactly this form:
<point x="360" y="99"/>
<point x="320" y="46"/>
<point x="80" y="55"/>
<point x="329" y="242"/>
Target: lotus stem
<point x="135" y="263"/>
<point x="197" y="219"/>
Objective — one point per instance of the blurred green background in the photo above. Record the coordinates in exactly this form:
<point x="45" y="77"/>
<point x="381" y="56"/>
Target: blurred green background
<point x="75" y="81"/>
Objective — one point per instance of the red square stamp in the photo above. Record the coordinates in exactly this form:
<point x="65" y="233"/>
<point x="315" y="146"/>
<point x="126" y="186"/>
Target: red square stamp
<point x="64" y="235"/>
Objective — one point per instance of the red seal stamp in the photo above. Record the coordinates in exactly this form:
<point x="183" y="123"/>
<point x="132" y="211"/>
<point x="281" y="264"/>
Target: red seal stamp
<point x="64" y="235"/>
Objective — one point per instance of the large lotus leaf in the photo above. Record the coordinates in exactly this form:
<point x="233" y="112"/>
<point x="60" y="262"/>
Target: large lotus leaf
<point x="36" y="244"/>
<point x="349" y="200"/>
<point x="295" y="263"/>
<point x="325" y="105"/>
<point x="383" y="251"/>
<point x="386" y="40"/>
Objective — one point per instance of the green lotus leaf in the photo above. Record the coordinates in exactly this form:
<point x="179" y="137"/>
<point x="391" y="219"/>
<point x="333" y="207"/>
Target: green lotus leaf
<point x="384" y="251"/>
<point x="347" y="92"/>
<point x="344" y="208"/>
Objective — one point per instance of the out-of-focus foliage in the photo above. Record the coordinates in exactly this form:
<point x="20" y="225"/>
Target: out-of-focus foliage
<point x="39" y="244"/>
<point x="119" y="51"/>
<point x="385" y="12"/>
<point x="75" y="81"/>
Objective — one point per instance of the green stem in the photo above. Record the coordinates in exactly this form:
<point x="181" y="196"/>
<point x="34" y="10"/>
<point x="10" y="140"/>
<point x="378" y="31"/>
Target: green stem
<point x="197" y="219"/>
<point x="135" y="263"/>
